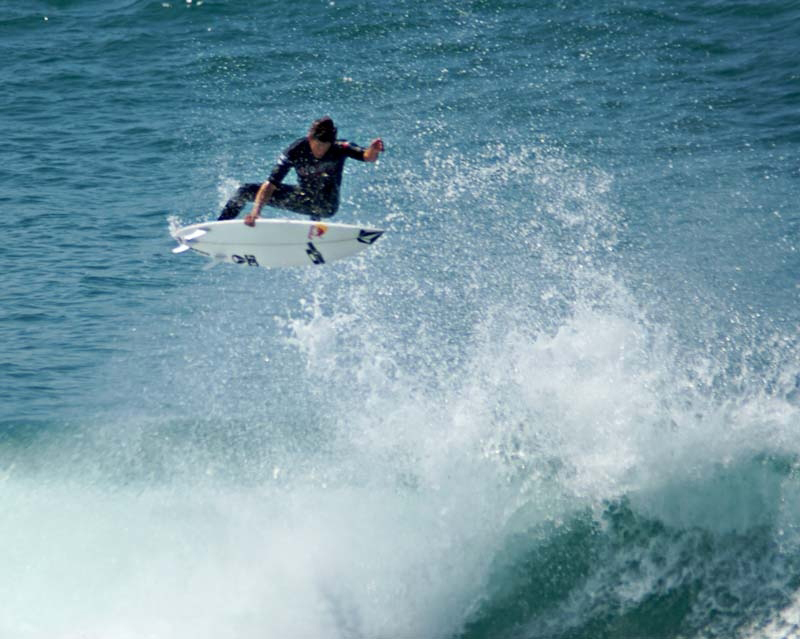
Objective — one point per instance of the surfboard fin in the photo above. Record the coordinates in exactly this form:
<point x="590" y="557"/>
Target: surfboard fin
<point x="212" y="263"/>
<point x="194" y="235"/>
<point x="186" y="239"/>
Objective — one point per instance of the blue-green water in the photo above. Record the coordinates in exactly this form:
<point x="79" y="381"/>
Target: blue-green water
<point x="560" y="398"/>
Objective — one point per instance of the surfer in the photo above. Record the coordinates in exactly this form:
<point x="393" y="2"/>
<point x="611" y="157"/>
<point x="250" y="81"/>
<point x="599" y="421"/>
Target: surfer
<point x="318" y="159"/>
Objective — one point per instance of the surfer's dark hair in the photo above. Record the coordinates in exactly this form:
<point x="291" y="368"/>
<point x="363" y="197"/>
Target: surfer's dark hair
<point x="323" y="130"/>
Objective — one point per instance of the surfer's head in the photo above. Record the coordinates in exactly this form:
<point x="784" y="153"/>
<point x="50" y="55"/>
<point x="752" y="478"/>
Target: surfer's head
<point x="323" y="130"/>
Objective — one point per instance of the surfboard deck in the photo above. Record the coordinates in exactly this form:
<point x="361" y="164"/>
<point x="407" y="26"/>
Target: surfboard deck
<point x="274" y="242"/>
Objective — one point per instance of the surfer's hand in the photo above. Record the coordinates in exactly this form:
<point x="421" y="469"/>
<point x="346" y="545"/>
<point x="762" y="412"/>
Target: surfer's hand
<point x="250" y="219"/>
<point x="375" y="148"/>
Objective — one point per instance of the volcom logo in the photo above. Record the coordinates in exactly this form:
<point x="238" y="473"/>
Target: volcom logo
<point x="368" y="237"/>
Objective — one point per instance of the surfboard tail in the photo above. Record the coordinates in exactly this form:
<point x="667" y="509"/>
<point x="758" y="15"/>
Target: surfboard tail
<point x="185" y="241"/>
<point x="194" y="235"/>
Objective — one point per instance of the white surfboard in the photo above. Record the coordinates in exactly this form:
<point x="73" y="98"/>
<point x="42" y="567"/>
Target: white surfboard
<point x="274" y="242"/>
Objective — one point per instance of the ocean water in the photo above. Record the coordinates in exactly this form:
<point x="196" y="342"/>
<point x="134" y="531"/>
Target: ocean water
<point x="560" y="398"/>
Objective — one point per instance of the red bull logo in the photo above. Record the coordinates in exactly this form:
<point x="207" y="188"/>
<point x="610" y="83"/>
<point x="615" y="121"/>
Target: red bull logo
<point x="317" y="230"/>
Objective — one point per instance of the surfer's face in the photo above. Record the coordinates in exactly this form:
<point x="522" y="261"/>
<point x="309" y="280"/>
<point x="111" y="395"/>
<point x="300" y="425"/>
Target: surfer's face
<point x="318" y="148"/>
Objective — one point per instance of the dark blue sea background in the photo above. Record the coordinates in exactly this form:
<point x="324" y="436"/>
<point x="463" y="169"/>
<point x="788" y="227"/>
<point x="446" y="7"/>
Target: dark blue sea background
<point x="559" y="399"/>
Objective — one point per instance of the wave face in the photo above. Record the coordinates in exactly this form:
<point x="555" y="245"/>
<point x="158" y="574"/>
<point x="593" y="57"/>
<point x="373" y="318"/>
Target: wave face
<point x="559" y="399"/>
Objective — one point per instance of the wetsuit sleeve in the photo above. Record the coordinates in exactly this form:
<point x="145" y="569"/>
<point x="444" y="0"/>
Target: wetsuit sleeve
<point x="287" y="161"/>
<point x="351" y="150"/>
<point x="281" y="168"/>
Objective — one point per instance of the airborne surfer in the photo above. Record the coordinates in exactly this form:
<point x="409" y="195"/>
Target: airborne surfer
<point x="318" y="159"/>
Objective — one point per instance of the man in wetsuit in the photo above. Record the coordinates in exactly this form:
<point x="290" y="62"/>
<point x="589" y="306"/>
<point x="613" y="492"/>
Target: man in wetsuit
<point x="318" y="159"/>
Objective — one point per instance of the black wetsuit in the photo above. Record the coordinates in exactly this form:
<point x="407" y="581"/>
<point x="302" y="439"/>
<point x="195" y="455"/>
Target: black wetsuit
<point x="319" y="180"/>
